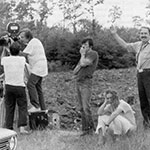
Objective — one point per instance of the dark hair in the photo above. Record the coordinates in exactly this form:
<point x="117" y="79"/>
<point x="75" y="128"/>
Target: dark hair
<point x="113" y="93"/>
<point x="89" y="40"/>
<point x="15" y="48"/>
<point x="145" y="28"/>
<point x="28" y="34"/>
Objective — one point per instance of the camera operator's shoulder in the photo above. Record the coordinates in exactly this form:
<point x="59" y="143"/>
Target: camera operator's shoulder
<point x="4" y="59"/>
<point x="34" y="41"/>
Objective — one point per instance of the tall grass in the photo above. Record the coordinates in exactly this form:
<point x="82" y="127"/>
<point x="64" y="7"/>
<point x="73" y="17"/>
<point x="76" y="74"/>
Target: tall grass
<point x="71" y="140"/>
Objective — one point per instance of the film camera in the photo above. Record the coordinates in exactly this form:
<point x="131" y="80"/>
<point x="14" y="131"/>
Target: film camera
<point x="11" y="34"/>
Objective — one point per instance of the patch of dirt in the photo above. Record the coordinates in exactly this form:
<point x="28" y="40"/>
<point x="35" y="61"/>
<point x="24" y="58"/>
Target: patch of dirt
<point x="60" y="95"/>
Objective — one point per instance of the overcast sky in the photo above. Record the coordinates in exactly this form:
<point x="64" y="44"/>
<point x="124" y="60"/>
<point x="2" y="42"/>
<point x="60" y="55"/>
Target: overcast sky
<point x="129" y="9"/>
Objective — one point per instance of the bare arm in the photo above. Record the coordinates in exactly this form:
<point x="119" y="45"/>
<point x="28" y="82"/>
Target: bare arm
<point x="82" y="63"/>
<point x="76" y="69"/>
<point x="104" y="108"/>
<point x="85" y="61"/>
<point x="113" y="116"/>
<point x="118" y="38"/>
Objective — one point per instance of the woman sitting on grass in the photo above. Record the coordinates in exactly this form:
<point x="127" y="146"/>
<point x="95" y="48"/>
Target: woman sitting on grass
<point x="115" y="116"/>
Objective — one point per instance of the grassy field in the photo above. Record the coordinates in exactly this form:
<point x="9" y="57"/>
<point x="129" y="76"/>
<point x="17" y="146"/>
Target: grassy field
<point x="56" y="90"/>
<point x="70" y="140"/>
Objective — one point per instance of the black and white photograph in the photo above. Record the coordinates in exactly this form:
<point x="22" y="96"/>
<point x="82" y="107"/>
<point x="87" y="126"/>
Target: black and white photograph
<point x="74" y="74"/>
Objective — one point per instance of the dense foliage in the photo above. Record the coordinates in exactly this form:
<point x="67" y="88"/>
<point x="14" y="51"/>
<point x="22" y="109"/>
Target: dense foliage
<point x="61" y="43"/>
<point x="64" y="46"/>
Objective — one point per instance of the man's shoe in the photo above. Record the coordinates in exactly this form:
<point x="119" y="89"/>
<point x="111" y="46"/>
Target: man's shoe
<point x="33" y="109"/>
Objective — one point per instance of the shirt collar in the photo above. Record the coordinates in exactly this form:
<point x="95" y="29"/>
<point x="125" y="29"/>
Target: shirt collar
<point x="148" y="42"/>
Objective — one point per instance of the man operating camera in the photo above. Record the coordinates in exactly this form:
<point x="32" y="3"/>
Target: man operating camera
<point x="8" y="37"/>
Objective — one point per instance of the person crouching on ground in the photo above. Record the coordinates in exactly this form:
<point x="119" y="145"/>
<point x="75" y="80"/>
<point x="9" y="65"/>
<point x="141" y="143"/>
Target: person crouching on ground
<point x="115" y="116"/>
<point x="14" y="66"/>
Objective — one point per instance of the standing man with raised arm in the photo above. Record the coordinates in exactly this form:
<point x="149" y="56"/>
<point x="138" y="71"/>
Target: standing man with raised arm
<point x="83" y="74"/>
<point x="35" y="54"/>
<point x="142" y="49"/>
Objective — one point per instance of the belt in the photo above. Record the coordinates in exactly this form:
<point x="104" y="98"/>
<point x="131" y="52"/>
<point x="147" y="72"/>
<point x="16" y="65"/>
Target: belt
<point x="143" y="70"/>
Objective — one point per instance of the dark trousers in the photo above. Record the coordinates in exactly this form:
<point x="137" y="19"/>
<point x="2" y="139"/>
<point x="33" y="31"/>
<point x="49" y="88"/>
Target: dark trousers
<point x="34" y="86"/>
<point x="84" y="96"/>
<point x="144" y="94"/>
<point x="13" y="95"/>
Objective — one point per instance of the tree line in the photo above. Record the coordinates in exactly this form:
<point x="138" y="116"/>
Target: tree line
<point x="62" y="43"/>
<point x="63" y="47"/>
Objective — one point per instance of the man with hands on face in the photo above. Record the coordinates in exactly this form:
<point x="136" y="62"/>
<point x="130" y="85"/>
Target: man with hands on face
<point x="83" y="73"/>
<point x="142" y="50"/>
<point x="83" y="61"/>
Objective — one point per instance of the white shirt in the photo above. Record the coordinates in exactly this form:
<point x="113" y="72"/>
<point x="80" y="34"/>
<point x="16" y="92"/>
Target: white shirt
<point x="127" y="111"/>
<point x="36" y="57"/>
<point x="14" y="70"/>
